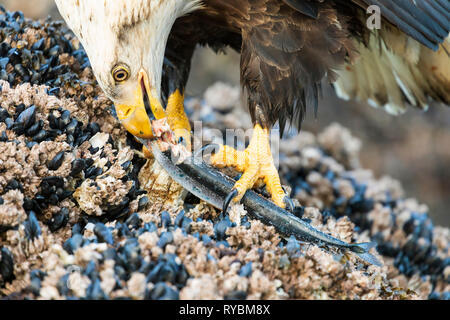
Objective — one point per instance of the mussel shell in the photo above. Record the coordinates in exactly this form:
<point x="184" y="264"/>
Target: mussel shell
<point x="34" y="129"/>
<point x="6" y="265"/>
<point x="64" y="120"/>
<point x="40" y="136"/>
<point x="77" y="166"/>
<point x="25" y="120"/>
<point x="32" y="227"/>
<point x="3" y="114"/>
<point x="56" y="162"/>
<point x="59" y="220"/>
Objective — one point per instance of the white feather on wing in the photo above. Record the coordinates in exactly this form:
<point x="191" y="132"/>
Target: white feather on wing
<point x="394" y="71"/>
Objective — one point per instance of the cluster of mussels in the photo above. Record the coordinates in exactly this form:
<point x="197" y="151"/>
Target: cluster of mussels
<point x="402" y="228"/>
<point x="76" y="223"/>
<point x="124" y="251"/>
<point x="59" y="125"/>
<point x="410" y="258"/>
<point x="38" y="63"/>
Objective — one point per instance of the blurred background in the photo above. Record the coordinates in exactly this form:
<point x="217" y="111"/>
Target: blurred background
<point x="413" y="148"/>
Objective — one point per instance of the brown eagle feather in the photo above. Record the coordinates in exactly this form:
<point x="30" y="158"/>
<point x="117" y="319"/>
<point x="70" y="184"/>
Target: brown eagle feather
<point x="288" y="47"/>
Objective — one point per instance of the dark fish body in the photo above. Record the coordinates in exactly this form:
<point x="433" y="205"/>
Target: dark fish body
<point x="212" y="186"/>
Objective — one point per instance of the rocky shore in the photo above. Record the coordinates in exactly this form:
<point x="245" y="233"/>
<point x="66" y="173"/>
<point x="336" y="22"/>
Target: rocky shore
<point x="79" y="218"/>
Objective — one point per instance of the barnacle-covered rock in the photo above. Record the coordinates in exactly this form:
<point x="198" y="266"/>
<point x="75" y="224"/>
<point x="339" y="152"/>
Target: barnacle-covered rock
<point x="83" y="215"/>
<point x="157" y="182"/>
<point x="11" y="210"/>
<point x="95" y="196"/>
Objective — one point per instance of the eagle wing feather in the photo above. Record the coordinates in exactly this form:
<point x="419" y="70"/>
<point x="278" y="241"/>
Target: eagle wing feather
<point x="395" y="67"/>
<point x="395" y="70"/>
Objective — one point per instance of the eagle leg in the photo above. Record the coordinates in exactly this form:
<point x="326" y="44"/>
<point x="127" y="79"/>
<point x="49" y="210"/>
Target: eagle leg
<point x="256" y="164"/>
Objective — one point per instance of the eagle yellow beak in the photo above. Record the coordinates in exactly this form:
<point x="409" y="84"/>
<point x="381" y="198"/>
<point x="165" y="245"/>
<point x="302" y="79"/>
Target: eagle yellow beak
<point x="136" y="118"/>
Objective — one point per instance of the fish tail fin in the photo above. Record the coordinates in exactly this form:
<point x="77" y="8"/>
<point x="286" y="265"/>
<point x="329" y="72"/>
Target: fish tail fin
<point x="362" y="251"/>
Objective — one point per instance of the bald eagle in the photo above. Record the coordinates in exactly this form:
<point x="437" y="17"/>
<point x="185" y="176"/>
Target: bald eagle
<point x="140" y="52"/>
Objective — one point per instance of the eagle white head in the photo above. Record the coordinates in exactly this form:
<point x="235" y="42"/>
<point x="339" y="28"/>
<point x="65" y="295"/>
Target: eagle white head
<point x="125" y="41"/>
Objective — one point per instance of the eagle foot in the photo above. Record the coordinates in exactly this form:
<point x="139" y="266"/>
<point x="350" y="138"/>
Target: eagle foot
<point x="257" y="167"/>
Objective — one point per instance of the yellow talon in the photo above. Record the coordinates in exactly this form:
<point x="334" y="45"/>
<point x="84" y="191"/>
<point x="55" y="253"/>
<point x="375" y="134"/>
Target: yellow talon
<point x="256" y="162"/>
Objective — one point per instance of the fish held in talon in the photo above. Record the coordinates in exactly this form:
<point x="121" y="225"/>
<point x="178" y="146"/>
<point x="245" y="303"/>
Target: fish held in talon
<point x="256" y="163"/>
<point x="284" y="222"/>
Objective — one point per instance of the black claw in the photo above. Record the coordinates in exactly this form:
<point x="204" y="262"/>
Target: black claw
<point x="182" y="141"/>
<point x="211" y="147"/>
<point x="289" y="204"/>
<point x="227" y="201"/>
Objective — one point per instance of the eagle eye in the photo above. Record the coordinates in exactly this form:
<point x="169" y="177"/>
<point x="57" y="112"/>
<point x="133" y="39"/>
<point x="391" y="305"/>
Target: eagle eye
<point x="120" y="73"/>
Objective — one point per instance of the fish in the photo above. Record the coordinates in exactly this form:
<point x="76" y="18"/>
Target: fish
<point x="212" y="186"/>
